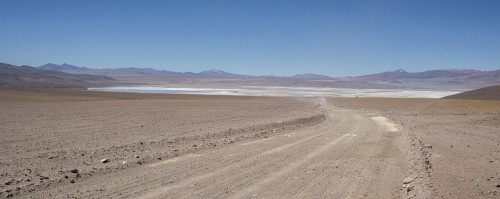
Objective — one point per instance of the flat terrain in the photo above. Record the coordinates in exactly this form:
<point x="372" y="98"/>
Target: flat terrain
<point x="185" y="146"/>
<point x="461" y="139"/>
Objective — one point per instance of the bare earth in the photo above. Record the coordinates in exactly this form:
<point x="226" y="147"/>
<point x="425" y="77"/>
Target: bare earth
<point x="185" y="146"/>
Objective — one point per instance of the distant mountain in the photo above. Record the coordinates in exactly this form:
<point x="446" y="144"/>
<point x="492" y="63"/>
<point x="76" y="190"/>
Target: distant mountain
<point x="384" y="77"/>
<point x="453" y="78"/>
<point x="310" y="76"/>
<point x="135" y="72"/>
<point x="433" y="79"/>
<point x="26" y="76"/>
<point x="219" y="73"/>
<point x="488" y="93"/>
<point x="62" y="68"/>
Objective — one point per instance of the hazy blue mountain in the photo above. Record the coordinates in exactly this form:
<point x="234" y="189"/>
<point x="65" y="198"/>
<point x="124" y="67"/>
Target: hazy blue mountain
<point x="219" y="73"/>
<point x="453" y="78"/>
<point x="63" y="67"/>
<point x="310" y="76"/>
<point x="27" y="76"/>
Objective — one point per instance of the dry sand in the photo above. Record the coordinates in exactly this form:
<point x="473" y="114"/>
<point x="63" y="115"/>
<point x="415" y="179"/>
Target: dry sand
<point x="186" y="146"/>
<point x="460" y="139"/>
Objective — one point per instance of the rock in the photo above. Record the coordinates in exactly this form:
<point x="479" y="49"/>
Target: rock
<point x="408" y="180"/>
<point x="105" y="160"/>
<point x="72" y="181"/>
<point x="409" y="188"/>
<point x="136" y="156"/>
<point x="9" y="181"/>
<point x="428" y="146"/>
<point x="74" y="171"/>
<point x="497" y="185"/>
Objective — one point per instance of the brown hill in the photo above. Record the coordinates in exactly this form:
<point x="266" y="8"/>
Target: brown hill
<point x="488" y="93"/>
<point x="30" y="77"/>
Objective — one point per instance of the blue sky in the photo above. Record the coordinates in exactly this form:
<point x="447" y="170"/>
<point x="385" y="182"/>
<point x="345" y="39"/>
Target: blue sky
<point x="268" y="37"/>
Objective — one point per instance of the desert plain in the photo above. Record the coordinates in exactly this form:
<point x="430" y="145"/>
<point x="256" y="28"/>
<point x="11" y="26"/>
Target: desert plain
<point x="84" y="144"/>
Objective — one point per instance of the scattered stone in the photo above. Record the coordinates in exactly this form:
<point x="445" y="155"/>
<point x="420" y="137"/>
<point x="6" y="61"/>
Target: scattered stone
<point x="74" y="171"/>
<point x="409" y="188"/>
<point x="408" y="180"/>
<point x="9" y="181"/>
<point x="105" y="160"/>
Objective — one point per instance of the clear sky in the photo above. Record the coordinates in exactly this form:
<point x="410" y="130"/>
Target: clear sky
<point x="267" y="37"/>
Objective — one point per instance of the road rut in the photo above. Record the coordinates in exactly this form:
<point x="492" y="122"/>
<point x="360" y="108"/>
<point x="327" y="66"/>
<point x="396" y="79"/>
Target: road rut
<point x="350" y="155"/>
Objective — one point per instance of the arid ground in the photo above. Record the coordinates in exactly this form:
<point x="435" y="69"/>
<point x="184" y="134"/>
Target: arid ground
<point x="80" y="144"/>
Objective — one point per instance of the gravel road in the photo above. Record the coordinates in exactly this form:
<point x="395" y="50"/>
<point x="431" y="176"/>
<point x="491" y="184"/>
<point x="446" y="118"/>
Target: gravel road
<point x="351" y="154"/>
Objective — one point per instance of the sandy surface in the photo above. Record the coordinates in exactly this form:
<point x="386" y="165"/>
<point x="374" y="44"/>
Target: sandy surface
<point x="461" y="139"/>
<point x="184" y="146"/>
<point x="45" y="135"/>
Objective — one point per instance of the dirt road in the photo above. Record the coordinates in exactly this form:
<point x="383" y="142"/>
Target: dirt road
<point x="352" y="154"/>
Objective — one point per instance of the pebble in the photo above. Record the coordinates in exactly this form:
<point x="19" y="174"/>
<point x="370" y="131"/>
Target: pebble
<point x="408" y="180"/>
<point x="105" y="160"/>
<point x="74" y="171"/>
<point x="8" y="182"/>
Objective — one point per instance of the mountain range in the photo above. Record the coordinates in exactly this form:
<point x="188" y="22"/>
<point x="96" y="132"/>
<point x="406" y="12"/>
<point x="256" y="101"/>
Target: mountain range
<point x="70" y="76"/>
<point x="26" y="76"/>
<point x="134" y="72"/>
<point x="433" y="79"/>
<point x="452" y="78"/>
